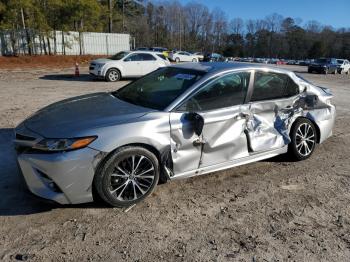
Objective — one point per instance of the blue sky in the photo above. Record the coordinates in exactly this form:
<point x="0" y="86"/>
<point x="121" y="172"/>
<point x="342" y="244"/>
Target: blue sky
<point x="328" y="12"/>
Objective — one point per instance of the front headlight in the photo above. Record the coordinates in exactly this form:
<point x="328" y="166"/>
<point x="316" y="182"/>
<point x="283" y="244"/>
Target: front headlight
<point x="64" y="144"/>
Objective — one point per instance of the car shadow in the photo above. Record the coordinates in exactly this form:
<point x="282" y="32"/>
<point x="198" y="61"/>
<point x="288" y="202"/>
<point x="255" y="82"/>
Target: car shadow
<point x="71" y="77"/>
<point x="16" y="199"/>
<point x="284" y="158"/>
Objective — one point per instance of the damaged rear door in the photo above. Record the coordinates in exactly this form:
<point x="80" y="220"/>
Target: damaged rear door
<point x="273" y="102"/>
<point x="223" y="137"/>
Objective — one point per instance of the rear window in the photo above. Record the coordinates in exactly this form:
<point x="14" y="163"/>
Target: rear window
<point x="162" y="57"/>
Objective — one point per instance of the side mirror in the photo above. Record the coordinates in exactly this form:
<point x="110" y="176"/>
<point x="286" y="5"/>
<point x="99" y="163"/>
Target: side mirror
<point x="197" y="122"/>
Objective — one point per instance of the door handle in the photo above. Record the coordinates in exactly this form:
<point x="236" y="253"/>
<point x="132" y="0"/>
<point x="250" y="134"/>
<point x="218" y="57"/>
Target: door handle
<point x="198" y="142"/>
<point x="242" y="115"/>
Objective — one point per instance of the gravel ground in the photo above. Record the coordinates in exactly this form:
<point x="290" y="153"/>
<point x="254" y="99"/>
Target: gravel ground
<point x="273" y="210"/>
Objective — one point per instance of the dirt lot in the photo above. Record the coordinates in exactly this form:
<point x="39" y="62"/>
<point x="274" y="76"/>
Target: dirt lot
<point x="272" y="210"/>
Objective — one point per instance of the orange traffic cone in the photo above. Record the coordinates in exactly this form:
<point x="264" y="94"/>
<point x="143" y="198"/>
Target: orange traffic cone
<point x="77" y="69"/>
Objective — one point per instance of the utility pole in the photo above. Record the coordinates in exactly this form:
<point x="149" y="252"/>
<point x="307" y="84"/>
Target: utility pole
<point x="123" y="20"/>
<point x="110" y="24"/>
<point x="23" y="22"/>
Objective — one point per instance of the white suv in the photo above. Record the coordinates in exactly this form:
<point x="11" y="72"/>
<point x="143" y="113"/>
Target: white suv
<point x="343" y="66"/>
<point x="127" y="64"/>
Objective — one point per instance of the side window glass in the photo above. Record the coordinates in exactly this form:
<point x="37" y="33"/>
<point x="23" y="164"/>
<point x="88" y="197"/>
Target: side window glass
<point x="134" y="57"/>
<point x="224" y="92"/>
<point x="147" y="57"/>
<point x="269" y="85"/>
<point x="291" y="88"/>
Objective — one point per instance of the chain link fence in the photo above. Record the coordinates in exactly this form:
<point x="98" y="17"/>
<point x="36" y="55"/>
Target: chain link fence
<point x="31" y="42"/>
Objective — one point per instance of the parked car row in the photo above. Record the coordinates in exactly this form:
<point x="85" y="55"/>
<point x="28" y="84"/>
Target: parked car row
<point x="329" y="65"/>
<point x="143" y="61"/>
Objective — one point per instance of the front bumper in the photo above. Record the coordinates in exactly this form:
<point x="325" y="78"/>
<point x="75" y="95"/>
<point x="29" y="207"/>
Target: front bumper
<point x="64" y="177"/>
<point x="318" y="69"/>
<point x="96" y="73"/>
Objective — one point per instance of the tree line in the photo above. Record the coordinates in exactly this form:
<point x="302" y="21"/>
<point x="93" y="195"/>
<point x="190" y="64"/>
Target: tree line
<point x="192" y="26"/>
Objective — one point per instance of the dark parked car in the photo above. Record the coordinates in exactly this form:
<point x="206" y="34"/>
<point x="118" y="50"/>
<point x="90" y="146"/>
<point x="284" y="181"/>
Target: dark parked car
<point x="213" y="57"/>
<point x="324" y="65"/>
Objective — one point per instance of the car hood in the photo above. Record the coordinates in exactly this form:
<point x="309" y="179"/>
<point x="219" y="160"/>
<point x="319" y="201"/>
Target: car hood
<point x="101" y="61"/>
<point x="78" y="115"/>
<point x="319" y="63"/>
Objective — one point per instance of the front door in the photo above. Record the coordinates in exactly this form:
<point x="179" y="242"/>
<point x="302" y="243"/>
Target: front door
<point x="223" y="138"/>
<point x="132" y="66"/>
<point x="149" y="63"/>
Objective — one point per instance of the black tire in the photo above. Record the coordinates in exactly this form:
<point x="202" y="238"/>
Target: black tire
<point x="335" y="71"/>
<point x="194" y="60"/>
<point x="326" y="71"/>
<point x="296" y="149"/>
<point x="113" y="75"/>
<point x="177" y="60"/>
<point x="108" y="178"/>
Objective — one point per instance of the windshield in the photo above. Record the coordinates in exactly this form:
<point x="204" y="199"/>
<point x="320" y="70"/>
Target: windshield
<point x="119" y="55"/>
<point x="160" y="88"/>
<point x="321" y="60"/>
<point x="340" y="61"/>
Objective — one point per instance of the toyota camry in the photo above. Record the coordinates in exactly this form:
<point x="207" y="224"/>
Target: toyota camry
<point x="179" y="121"/>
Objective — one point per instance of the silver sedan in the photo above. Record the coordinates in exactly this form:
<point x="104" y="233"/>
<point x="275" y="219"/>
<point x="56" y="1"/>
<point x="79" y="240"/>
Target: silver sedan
<point x="177" y="122"/>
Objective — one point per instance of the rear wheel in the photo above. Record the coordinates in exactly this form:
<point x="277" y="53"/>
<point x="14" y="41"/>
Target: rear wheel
<point x="113" y="75"/>
<point x="177" y="60"/>
<point x="303" y="139"/>
<point x="127" y="177"/>
<point x="326" y="71"/>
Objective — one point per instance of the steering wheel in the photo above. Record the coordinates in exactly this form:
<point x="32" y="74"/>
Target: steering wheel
<point x="195" y="102"/>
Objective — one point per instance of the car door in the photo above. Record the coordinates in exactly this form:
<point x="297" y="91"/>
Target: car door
<point x="347" y="66"/>
<point x="273" y="101"/>
<point x="148" y="63"/>
<point x="187" y="57"/>
<point x="180" y="56"/>
<point x="334" y="65"/>
<point x="132" y="66"/>
<point x="219" y="103"/>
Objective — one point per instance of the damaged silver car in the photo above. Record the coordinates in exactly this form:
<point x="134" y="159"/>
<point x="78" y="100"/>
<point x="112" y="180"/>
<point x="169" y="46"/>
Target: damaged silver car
<point x="176" y="122"/>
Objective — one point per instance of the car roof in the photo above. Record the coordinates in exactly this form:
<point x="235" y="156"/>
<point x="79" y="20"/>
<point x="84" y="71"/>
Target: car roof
<point x="144" y="51"/>
<point x="217" y="67"/>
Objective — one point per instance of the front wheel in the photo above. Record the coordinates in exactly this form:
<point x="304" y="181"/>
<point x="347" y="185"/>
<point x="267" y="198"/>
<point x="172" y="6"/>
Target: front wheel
<point x="303" y="139"/>
<point x="127" y="177"/>
<point x="113" y="75"/>
<point x="194" y="60"/>
<point x="177" y="60"/>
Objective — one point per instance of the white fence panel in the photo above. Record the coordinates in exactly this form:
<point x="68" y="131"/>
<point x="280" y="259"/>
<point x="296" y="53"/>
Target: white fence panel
<point x="72" y="43"/>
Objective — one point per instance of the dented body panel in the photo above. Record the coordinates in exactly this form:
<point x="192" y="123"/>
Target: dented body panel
<point x="231" y="136"/>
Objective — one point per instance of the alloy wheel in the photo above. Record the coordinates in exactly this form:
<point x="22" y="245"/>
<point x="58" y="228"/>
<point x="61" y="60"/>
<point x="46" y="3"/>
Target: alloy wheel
<point x="132" y="178"/>
<point x="113" y="76"/>
<point x="305" y="139"/>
